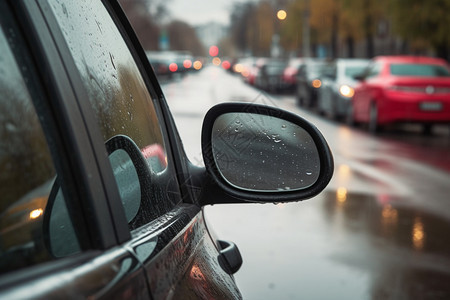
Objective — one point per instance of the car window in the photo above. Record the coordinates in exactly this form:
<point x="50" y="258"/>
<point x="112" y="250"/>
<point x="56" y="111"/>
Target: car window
<point x="27" y="174"/>
<point x="419" y="70"/>
<point x="315" y="68"/>
<point x="329" y="70"/>
<point x="119" y="97"/>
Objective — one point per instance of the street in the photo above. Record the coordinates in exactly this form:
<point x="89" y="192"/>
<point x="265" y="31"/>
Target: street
<point x="378" y="231"/>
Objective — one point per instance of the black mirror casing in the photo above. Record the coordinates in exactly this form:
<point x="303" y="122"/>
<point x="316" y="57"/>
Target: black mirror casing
<point x="225" y="192"/>
<point x="360" y="77"/>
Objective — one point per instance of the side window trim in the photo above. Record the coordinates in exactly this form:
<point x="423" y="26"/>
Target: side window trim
<point x="108" y="180"/>
<point x="108" y="206"/>
<point x="93" y="205"/>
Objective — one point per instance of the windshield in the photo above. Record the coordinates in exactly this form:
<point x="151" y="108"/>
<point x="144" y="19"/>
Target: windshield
<point x="419" y="70"/>
<point x="315" y="69"/>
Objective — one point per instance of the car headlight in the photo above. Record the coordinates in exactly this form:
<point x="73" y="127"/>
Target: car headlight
<point x="346" y="91"/>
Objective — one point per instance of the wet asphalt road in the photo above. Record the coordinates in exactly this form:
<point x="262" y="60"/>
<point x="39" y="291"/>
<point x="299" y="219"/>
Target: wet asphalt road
<point x="381" y="229"/>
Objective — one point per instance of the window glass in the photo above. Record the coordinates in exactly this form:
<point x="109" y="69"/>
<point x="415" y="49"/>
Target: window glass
<point x="315" y="68"/>
<point x="419" y="70"/>
<point x="117" y="92"/>
<point x="27" y="173"/>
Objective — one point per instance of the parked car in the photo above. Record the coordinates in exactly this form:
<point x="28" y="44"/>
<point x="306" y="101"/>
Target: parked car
<point x="338" y="83"/>
<point x="309" y="81"/>
<point x="168" y="63"/>
<point x="403" y="89"/>
<point x="243" y="65"/>
<point x="290" y="74"/>
<point x="252" y="70"/>
<point x="269" y="76"/>
<point x="98" y="199"/>
<point x="161" y="64"/>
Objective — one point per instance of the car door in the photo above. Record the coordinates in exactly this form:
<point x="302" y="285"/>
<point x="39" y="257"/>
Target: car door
<point x="126" y="114"/>
<point x="57" y="234"/>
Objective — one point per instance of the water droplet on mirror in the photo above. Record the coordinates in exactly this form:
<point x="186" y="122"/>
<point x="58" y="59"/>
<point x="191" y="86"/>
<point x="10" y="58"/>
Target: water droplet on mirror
<point x="283" y="127"/>
<point x="237" y="130"/>
<point x="309" y="173"/>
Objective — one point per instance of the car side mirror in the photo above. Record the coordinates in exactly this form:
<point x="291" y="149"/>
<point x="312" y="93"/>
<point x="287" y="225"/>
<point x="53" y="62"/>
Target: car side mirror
<point x="134" y="181"/>
<point x="360" y="77"/>
<point x="264" y="154"/>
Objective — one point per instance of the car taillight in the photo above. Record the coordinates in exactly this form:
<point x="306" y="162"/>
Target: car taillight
<point x="198" y="65"/>
<point x="346" y="91"/>
<point x="173" y="67"/>
<point x="187" y="63"/>
<point x="238" y="68"/>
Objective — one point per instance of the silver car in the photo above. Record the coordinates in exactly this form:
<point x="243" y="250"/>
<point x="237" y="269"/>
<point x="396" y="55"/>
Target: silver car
<point x="338" y="86"/>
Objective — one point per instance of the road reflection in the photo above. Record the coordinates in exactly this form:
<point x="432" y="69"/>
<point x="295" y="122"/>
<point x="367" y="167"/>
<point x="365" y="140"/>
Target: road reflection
<point x="408" y="141"/>
<point x="406" y="251"/>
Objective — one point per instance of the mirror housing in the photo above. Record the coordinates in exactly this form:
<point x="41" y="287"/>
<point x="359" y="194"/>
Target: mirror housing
<point x="247" y="149"/>
<point x="360" y="77"/>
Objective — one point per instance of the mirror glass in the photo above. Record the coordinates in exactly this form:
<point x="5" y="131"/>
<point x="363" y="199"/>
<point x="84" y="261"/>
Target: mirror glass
<point x="61" y="233"/>
<point x="127" y="181"/>
<point x="264" y="153"/>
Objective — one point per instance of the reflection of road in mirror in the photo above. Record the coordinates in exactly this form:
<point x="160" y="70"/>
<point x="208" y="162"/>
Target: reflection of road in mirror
<point x="264" y="153"/>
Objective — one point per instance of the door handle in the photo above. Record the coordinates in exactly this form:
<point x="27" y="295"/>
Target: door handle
<point x="230" y="258"/>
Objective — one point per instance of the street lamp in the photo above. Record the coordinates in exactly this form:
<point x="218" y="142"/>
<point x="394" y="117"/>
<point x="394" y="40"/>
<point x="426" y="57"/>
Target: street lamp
<point x="281" y="14"/>
<point x="275" y="49"/>
<point x="306" y="30"/>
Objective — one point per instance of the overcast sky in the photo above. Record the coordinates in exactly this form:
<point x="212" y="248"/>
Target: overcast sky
<point x="198" y="12"/>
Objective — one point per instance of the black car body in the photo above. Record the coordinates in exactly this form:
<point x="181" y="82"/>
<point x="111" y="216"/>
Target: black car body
<point x="308" y="82"/>
<point x="270" y="75"/>
<point x="98" y="197"/>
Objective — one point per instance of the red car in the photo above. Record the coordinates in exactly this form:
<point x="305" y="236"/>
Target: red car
<point x="402" y="89"/>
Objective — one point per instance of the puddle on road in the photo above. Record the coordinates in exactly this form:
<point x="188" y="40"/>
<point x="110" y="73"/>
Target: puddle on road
<point x="405" y="251"/>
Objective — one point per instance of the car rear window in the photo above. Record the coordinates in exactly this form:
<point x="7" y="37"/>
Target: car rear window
<point x="419" y="70"/>
<point x="275" y="68"/>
